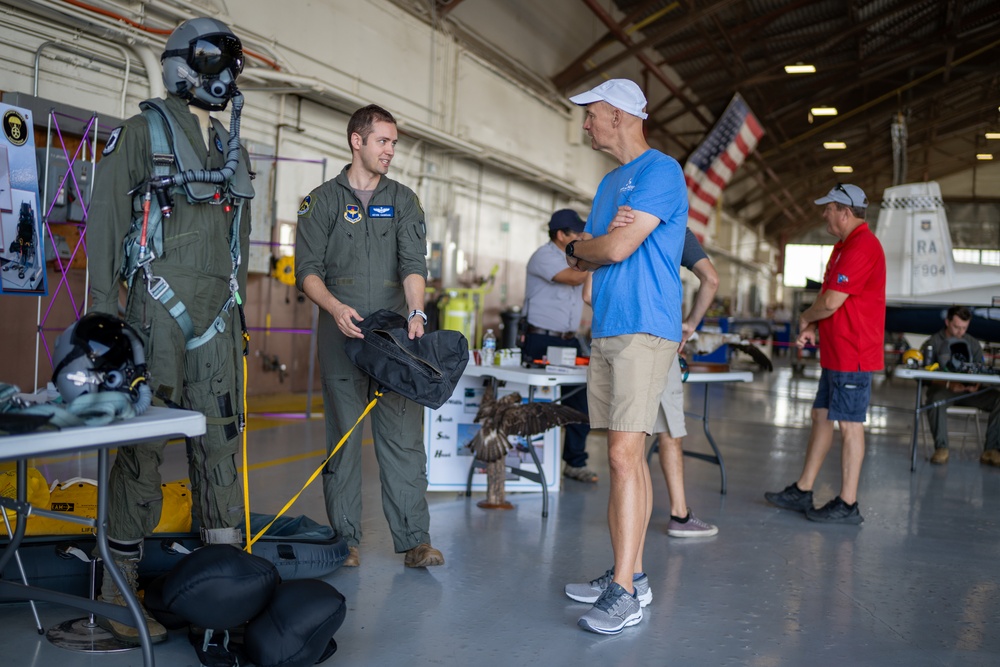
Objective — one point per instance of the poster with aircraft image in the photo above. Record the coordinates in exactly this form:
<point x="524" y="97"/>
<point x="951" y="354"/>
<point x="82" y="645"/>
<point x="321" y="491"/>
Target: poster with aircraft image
<point x="22" y="243"/>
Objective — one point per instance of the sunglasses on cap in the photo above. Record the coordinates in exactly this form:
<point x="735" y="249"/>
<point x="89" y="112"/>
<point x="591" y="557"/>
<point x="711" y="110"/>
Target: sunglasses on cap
<point x="212" y="54"/>
<point x="841" y="188"/>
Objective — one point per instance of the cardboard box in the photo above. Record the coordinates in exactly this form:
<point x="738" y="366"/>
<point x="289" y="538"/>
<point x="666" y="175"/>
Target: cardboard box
<point x="561" y="356"/>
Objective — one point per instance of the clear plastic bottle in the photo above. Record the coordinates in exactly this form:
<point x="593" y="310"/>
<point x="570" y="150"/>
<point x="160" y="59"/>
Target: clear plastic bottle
<point x="489" y="347"/>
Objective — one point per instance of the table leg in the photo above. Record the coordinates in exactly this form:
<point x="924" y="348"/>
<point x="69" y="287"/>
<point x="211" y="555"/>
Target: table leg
<point x="711" y="441"/>
<point x="109" y="566"/>
<point x="916" y="426"/>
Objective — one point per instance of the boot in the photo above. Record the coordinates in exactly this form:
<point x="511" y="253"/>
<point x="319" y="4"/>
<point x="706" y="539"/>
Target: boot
<point x="128" y="565"/>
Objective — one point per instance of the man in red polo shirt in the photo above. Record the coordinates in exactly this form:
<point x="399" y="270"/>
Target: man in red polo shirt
<point x="849" y="314"/>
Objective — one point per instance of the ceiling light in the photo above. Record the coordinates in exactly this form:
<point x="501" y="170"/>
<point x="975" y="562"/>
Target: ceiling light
<point x="993" y="135"/>
<point x="799" y="68"/>
<point x="843" y="169"/>
<point x="984" y="156"/>
<point x="834" y="145"/>
<point x="823" y="111"/>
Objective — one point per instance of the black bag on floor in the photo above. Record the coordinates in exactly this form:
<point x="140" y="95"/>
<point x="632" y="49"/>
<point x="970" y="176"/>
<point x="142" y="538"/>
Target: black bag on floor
<point x="424" y="370"/>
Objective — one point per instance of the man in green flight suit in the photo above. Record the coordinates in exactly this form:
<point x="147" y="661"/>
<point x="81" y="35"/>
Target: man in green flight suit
<point x="360" y="247"/>
<point x="184" y="278"/>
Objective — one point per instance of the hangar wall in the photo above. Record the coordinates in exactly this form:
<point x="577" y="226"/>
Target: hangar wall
<point x="489" y="157"/>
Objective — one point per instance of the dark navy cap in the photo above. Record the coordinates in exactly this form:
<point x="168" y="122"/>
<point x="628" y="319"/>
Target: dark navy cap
<point x="566" y="218"/>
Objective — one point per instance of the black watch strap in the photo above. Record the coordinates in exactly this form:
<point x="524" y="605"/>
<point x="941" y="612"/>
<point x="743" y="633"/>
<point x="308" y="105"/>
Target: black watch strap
<point x="569" y="249"/>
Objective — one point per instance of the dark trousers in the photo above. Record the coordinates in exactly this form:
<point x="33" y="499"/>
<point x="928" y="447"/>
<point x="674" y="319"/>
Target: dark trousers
<point x="575" y="440"/>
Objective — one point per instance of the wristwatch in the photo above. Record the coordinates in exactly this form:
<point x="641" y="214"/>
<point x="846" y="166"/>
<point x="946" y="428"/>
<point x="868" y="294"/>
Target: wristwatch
<point x="416" y="312"/>
<point x="569" y="249"/>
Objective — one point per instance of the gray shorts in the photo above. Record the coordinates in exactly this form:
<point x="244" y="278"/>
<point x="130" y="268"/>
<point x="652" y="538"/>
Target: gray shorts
<point x="670" y="416"/>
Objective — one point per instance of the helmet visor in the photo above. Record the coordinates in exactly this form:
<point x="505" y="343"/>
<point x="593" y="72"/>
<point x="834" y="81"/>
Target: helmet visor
<point x="212" y="54"/>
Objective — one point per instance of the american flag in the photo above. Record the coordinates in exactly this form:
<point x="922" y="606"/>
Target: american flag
<point x="714" y="162"/>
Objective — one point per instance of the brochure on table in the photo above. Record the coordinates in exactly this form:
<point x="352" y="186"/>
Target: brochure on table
<point x="449" y="429"/>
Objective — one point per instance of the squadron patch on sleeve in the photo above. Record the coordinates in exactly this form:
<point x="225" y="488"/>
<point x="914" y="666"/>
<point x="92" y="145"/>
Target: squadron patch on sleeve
<point x="304" y="206"/>
<point x="112" y="144"/>
<point x="352" y="213"/>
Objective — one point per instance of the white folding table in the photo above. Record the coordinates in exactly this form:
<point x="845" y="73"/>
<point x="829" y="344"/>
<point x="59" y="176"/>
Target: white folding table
<point x="919" y="374"/>
<point x="153" y="425"/>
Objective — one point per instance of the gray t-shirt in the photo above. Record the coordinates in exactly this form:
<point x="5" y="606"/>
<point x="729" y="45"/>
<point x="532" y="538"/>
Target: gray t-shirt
<point x="693" y="252"/>
<point x="548" y="304"/>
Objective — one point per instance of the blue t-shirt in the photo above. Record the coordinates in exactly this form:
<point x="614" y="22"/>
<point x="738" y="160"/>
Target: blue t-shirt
<point x="643" y="293"/>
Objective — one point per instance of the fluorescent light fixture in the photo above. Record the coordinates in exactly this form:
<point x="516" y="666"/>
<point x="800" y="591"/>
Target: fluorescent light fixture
<point x="823" y="111"/>
<point x="834" y="145"/>
<point x="993" y="135"/>
<point x="843" y="169"/>
<point x="799" y="68"/>
<point x="984" y="156"/>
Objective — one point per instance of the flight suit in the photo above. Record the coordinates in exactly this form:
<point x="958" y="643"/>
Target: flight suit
<point x="362" y="256"/>
<point x="197" y="263"/>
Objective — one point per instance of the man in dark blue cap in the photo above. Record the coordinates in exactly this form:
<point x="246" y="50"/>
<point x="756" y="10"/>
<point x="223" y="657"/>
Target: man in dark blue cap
<point x="553" y="304"/>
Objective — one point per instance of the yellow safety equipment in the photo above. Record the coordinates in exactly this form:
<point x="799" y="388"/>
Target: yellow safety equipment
<point x="913" y="358"/>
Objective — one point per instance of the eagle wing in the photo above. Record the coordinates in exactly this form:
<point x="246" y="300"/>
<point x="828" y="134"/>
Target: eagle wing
<point x="759" y="357"/>
<point x="531" y="418"/>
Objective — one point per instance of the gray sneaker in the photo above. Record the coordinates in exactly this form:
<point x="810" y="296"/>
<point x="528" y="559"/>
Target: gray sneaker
<point x="614" y="611"/>
<point x="590" y="592"/>
<point x="692" y="527"/>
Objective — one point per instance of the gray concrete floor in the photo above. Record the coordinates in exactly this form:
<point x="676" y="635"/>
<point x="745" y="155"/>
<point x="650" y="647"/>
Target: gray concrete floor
<point x="915" y="585"/>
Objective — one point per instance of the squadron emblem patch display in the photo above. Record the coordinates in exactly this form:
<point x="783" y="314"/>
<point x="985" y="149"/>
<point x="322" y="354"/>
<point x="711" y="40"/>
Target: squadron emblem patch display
<point x="304" y="206"/>
<point x="15" y="127"/>
<point x="112" y="144"/>
<point x="352" y="213"/>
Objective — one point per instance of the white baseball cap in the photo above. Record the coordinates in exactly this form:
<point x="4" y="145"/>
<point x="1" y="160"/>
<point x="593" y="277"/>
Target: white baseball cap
<point x="620" y="93"/>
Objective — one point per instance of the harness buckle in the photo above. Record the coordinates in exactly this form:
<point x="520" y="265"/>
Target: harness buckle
<point x="157" y="287"/>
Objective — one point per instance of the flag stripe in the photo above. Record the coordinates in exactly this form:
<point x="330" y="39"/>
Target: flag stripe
<point x="712" y="165"/>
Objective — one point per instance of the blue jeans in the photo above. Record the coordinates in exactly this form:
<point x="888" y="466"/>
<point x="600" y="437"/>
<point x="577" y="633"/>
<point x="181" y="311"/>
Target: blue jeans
<point x="575" y="440"/>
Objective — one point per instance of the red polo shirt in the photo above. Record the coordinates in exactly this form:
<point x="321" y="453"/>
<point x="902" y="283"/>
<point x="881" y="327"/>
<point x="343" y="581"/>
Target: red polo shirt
<point x="852" y="338"/>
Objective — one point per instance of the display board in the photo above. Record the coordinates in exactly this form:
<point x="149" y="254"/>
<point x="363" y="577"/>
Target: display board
<point x="449" y="429"/>
<point x="22" y="244"/>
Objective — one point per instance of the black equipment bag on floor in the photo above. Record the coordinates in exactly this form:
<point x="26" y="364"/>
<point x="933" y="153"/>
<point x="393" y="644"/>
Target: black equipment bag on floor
<point x="424" y="370"/>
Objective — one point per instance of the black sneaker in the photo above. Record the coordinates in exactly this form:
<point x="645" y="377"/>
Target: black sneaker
<point x="836" y="511"/>
<point x="792" y="498"/>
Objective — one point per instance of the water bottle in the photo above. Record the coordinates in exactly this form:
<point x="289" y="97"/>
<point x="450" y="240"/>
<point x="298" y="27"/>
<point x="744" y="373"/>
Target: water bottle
<point x="489" y="347"/>
<point x="928" y="354"/>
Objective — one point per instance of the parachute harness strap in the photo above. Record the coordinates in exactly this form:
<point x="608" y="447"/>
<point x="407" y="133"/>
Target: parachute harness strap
<point x="378" y="394"/>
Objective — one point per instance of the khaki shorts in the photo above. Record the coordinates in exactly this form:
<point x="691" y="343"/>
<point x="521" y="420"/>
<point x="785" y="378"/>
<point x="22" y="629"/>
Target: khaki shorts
<point x="670" y="416"/>
<point x="625" y="380"/>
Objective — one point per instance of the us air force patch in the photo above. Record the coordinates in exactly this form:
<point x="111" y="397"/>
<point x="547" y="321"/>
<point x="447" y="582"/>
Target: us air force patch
<point x="304" y="206"/>
<point x="218" y="143"/>
<point x="352" y="213"/>
<point x="381" y="211"/>
<point x="112" y="144"/>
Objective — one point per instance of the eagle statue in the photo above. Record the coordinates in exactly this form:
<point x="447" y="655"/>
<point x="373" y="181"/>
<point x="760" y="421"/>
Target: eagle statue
<point x="706" y="342"/>
<point x="500" y="418"/>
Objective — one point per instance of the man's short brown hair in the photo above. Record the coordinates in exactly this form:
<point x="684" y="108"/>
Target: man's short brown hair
<point x="364" y="119"/>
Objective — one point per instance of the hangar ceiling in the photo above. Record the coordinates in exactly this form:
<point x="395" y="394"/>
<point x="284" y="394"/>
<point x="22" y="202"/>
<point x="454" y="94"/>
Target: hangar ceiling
<point x="930" y="63"/>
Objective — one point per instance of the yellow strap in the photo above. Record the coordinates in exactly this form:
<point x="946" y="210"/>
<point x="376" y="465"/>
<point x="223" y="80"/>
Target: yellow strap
<point x="246" y="468"/>
<point x="315" y="474"/>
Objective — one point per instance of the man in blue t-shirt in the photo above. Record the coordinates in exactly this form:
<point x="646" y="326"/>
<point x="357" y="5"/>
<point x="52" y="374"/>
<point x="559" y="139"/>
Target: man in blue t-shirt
<point x="636" y="330"/>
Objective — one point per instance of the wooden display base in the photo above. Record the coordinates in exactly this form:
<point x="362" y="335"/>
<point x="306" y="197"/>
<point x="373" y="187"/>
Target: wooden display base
<point x="495" y="506"/>
<point x="707" y="367"/>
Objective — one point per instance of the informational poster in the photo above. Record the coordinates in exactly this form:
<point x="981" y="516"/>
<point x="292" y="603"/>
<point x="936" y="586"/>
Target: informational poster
<point x="22" y="244"/>
<point x="449" y="429"/>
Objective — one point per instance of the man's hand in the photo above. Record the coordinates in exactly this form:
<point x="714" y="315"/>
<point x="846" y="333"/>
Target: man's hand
<point x="344" y="316"/>
<point x="807" y="335"/>
<point x="416" y="327"/>
<point x="687" y="328"/>
<point x="623" y="218"/>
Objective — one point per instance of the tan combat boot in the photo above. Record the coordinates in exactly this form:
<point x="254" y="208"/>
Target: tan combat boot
<point x="128" y="565"/>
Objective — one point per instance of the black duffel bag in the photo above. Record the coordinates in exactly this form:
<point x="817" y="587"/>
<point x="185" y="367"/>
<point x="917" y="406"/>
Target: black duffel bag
<point x="424" y="369"/>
